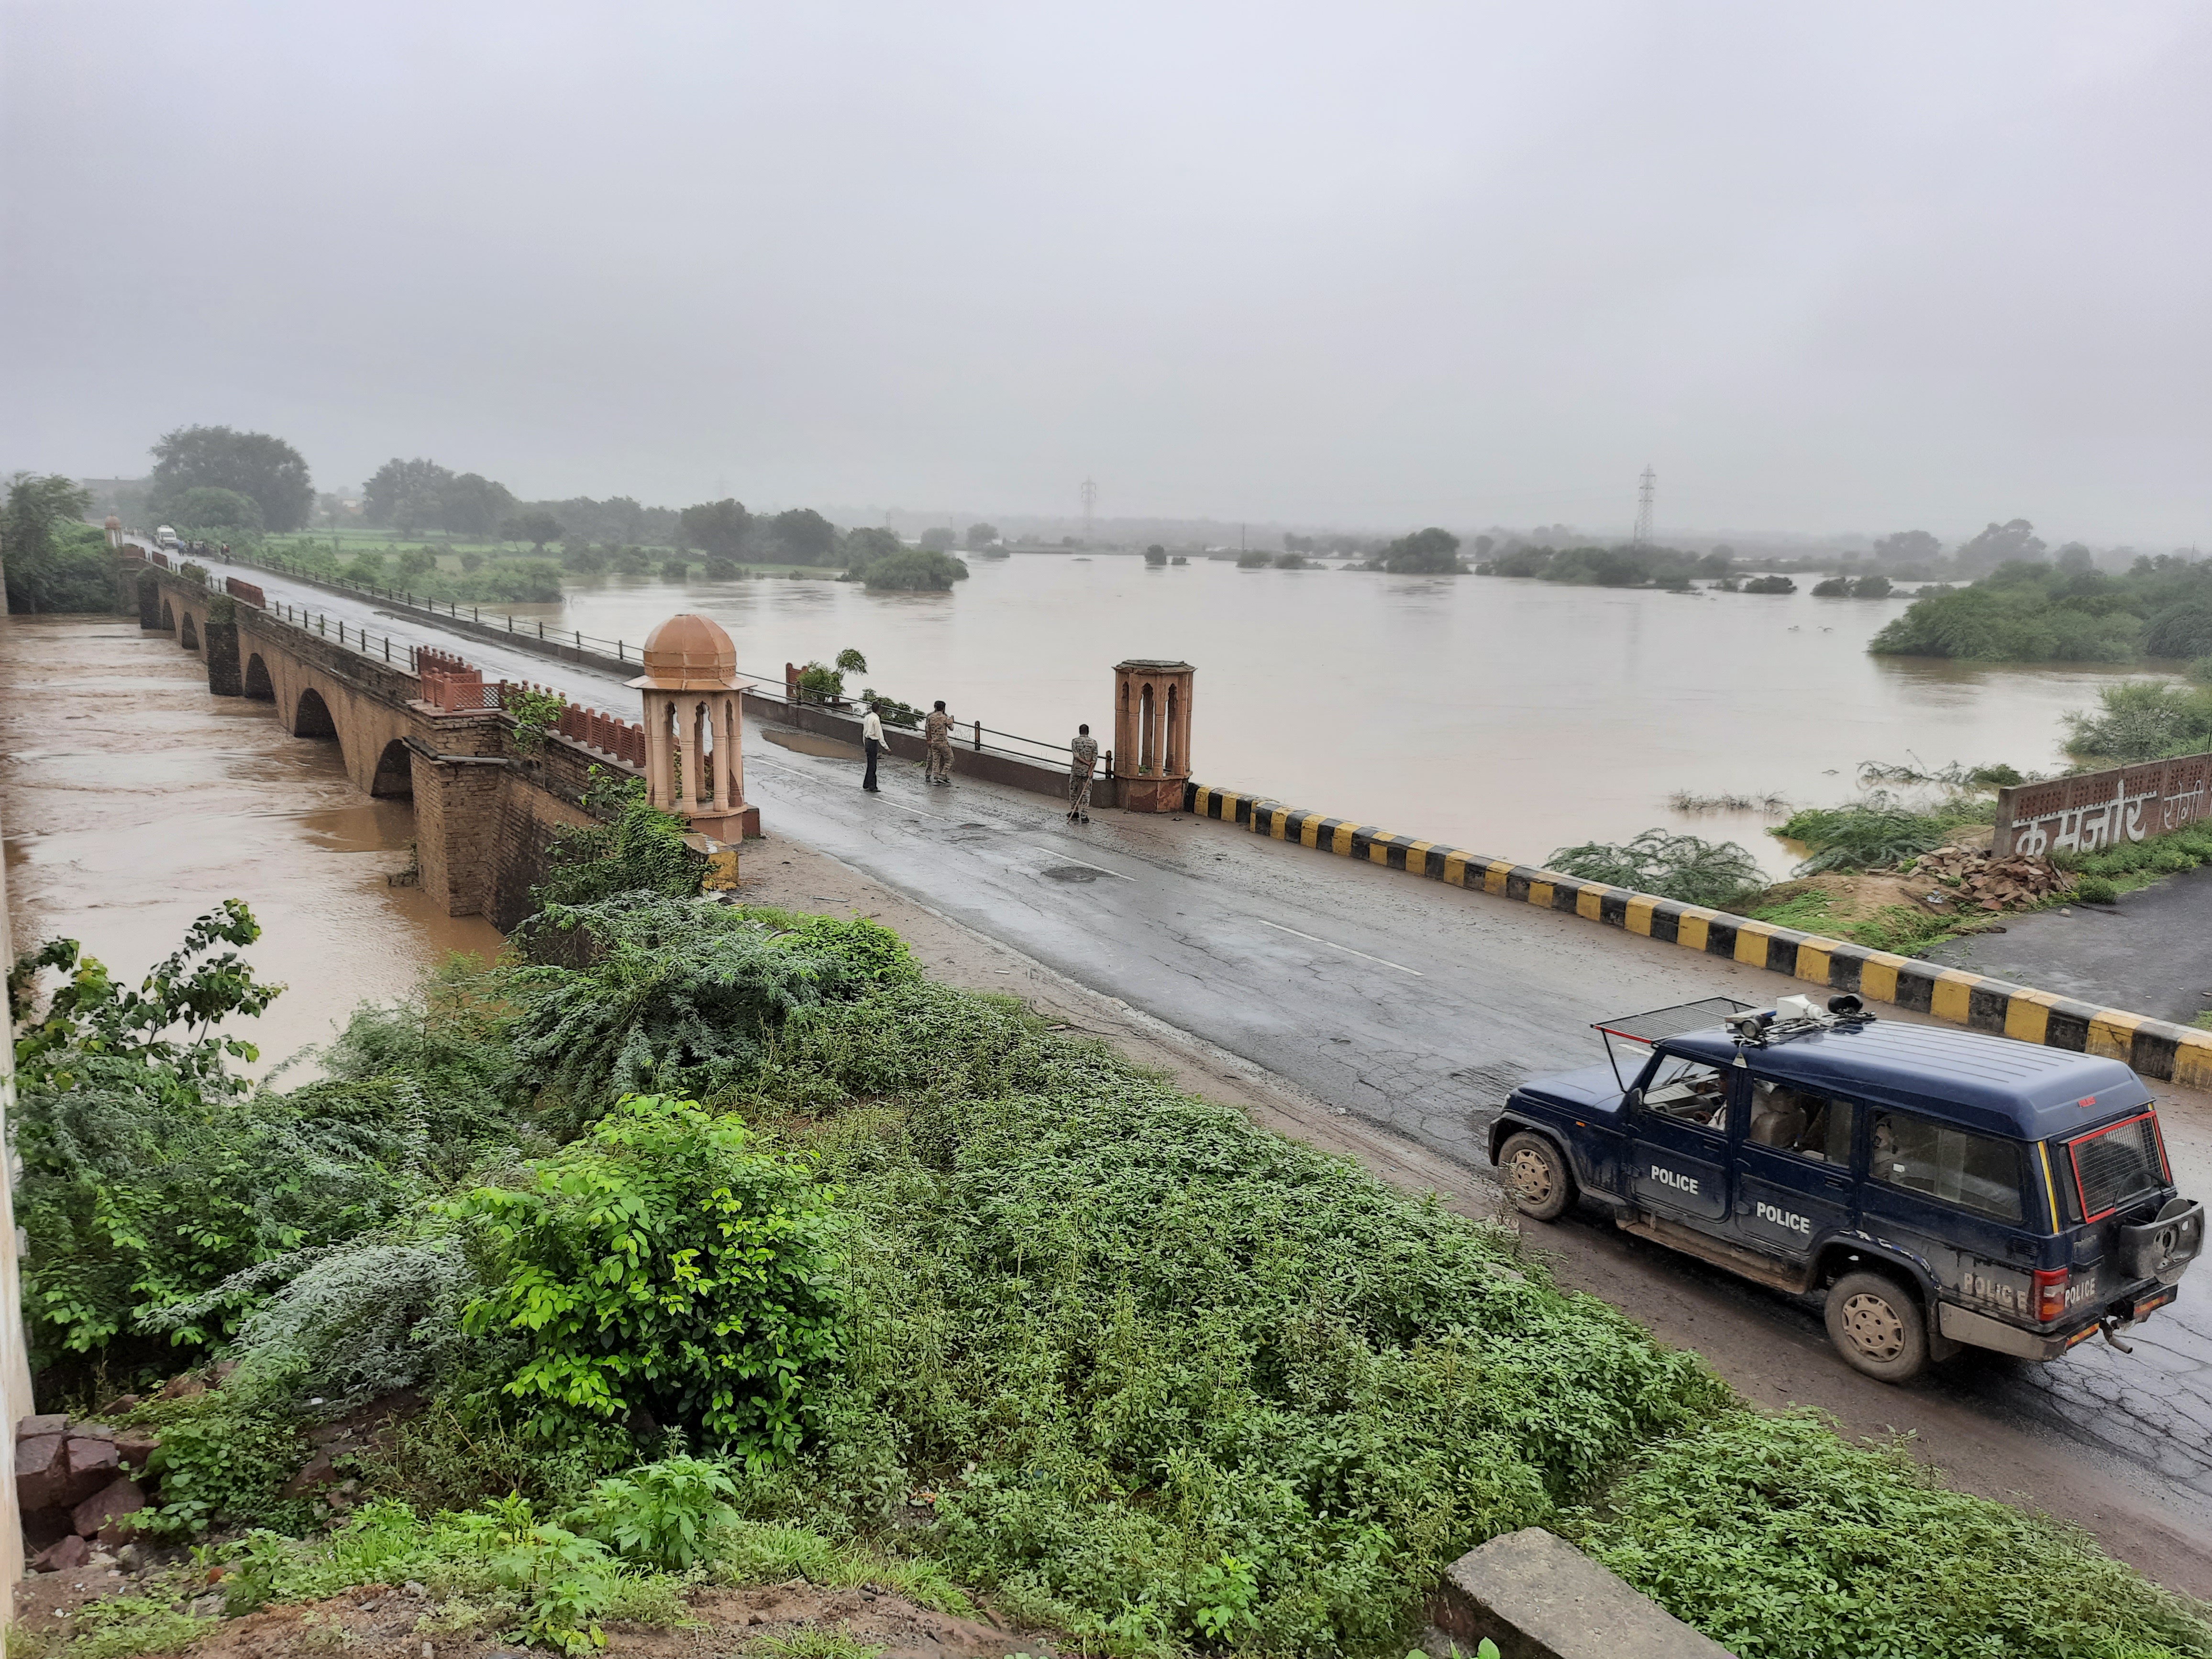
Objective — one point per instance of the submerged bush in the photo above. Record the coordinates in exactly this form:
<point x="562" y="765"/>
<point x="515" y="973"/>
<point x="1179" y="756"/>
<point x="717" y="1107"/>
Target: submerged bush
<point x="2143" y="720"/>
<point x="1876" y="833"/>
<point x="1684" y="867"/>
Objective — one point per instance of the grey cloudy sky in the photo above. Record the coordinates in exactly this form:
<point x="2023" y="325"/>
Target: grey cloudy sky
<point x="1825" y="267"/>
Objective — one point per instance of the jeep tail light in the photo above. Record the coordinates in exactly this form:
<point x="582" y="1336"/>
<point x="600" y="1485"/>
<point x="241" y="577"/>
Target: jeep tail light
<point x="2050" y="1294"/>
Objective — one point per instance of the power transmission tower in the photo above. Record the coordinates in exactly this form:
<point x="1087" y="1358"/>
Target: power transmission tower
<point x="1644" y="492"/>
<point x="1090" y="506"/>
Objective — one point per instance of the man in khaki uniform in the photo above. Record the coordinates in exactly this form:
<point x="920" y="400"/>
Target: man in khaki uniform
<point x="937" y="730"/>
<point x="1083" y="762"/>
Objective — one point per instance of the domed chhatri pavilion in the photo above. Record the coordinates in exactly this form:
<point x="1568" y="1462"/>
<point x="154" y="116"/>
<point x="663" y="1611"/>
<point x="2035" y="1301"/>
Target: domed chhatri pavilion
<point x="693" y="735"/>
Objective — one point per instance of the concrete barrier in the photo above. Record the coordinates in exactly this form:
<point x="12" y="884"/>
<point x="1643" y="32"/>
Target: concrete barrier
<point x="2154" y="1048"/>
<point x="1539" y="1597"/>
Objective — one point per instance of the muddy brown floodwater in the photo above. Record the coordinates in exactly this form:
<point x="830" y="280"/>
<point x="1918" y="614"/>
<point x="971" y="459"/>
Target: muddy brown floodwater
<point x="131" y="801"/>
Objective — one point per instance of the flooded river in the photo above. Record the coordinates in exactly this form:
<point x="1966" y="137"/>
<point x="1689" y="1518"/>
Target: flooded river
<point x="1508" y="717"/>
<point x="132" y="801"/>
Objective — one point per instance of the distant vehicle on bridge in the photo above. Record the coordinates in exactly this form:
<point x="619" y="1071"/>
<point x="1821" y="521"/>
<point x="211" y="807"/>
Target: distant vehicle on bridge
<point x="164" y="537"/>
<point x="1941" y="1189"/>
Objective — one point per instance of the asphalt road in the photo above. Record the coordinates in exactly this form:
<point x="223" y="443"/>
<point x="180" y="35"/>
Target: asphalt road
<point x="2151" y="953"/>
<point x="1416" y="1008"/>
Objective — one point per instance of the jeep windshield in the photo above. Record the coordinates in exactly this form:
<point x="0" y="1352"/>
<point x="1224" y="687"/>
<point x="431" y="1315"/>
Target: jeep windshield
<point x="2109" y="1167"/>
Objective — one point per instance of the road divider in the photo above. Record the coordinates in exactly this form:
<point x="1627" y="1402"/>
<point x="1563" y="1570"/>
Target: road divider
<point x="2154" y="1048"/>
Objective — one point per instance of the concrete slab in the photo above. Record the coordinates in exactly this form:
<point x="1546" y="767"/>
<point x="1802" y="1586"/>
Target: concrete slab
<point x="1539" y="1597"/>
<point x="2150" y="953"/>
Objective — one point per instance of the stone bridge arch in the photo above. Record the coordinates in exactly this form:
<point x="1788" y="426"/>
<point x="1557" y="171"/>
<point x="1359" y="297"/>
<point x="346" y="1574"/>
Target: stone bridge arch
<point x="168" y="617"/>
<point x="187" y="635"/>
<point x="312" y="701"/>
<point x="259" y="685"/>
<point x="395" y="771"/>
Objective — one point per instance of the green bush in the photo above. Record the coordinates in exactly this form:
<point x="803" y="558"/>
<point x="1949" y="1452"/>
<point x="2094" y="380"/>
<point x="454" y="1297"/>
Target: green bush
<point x="666" y="1514"/>
<point x="2096" y="889"/>
<point x="663" y="1263"/>
<point x="1779" y="1539"/>
<point x="1684" y="867"/>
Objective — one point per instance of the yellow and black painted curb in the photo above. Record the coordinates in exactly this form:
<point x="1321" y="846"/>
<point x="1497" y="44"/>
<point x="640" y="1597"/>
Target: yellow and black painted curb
<point x="2154" y="1048"/>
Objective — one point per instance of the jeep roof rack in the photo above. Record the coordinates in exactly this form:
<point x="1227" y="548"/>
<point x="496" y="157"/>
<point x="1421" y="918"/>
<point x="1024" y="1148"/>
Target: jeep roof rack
<point x="1662" y="1022"/>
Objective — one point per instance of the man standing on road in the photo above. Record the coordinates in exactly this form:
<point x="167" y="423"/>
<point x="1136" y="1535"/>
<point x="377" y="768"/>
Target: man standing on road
<point x="872" y="740"/>
<point x="936" y="727"/>
<point x="1084" y="762"/>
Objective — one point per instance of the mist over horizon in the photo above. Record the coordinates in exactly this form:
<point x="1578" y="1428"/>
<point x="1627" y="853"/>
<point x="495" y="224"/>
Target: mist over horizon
<point x="1835" y="275"/>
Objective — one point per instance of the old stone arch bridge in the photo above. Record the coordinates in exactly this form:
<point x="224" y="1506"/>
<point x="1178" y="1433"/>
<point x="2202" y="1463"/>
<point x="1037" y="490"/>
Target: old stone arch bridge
<point x="483" y="816"/>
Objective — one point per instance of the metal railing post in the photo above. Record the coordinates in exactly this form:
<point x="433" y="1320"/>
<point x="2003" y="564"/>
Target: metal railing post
<point x="979" y="734"/>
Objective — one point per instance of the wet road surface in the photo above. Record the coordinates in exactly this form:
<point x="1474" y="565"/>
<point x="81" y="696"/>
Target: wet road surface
<point x="1418" y="1007"/>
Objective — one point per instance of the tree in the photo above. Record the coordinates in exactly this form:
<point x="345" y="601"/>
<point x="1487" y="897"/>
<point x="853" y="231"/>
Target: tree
<point x="916" y="569"/>
<point x="717" y="528"/>
<point x="535" y="528"/>
<point x="2001" y="544"/>
<point x="1156" y="554"/>
<point x="253" y="463"/>
<point x="1908" y="547"/>
<point x="1425" y="552"/>
<point x="472" y="505"/>
<point x="206" y="506"/>
<point x="982" y="535"/>
<point x="805" y="535"/>
<point x="54" y="561"/>
<point x="406" y="495"/>
<point x="869" y="546"/>
<point x="2076" y="558"/>
<point x="937" y="540"/>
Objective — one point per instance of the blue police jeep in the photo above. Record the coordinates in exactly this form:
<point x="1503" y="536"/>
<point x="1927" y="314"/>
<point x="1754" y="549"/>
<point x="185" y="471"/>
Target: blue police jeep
<point x="1944" y="1188"/>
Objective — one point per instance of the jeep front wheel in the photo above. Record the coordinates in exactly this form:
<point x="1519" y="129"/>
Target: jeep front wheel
<point x="1536" y="1175"/>
<point x="1877" y="1326"/>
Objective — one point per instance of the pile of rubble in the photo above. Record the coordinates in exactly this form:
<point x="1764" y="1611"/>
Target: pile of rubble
<point x="1970" y="879"/>
<point x="74" y="1484"/>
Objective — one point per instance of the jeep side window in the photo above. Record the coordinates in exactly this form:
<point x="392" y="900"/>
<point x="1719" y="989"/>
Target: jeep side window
<point x="1790" y="1120"/>
<point x="1689" y="1091"/>
<point x="1977" y="1172"/>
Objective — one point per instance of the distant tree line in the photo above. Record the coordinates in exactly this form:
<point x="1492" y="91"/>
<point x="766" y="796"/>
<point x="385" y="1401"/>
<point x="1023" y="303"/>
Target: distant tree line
<point x="2033" y="609"/>
<point x="1592" y="566"/>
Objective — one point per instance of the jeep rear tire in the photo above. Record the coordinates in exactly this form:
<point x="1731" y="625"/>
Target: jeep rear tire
<point x="1536" y="1175"/>
<point x="1877" y="1326"/>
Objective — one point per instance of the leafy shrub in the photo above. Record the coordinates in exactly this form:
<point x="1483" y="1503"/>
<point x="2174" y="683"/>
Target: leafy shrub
<point x="1776" y="1538"/>
<point x="533" y="714"/>
<point x="667" y="1514"/>
<point x="218" y="1466"/>
<point x="662" y="1262"/>
<point x="2096" y="889"/>
<point x="2143" y="720"/>
<point x="1770" y="585"/>
<point x="361" y="1321"/>
<point x="641" y="851"/>
<point x="1253" y="558"/>
<point x="1684" y="867"/>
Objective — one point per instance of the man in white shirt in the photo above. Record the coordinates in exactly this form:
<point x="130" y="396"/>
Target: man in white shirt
<point x="871" y="739"/>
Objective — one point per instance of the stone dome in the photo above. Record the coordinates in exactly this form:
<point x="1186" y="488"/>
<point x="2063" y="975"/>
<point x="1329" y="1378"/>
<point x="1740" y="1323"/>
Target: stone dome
<point x="689" y="653"/>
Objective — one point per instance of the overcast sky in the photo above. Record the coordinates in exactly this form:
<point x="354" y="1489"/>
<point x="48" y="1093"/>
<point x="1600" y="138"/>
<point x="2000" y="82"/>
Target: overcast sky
<point x="1825" y="267"/>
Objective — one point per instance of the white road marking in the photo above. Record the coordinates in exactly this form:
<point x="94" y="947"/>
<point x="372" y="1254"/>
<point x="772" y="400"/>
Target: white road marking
<point x="1346" y="949"/>
<point x="1100" y="868"/>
